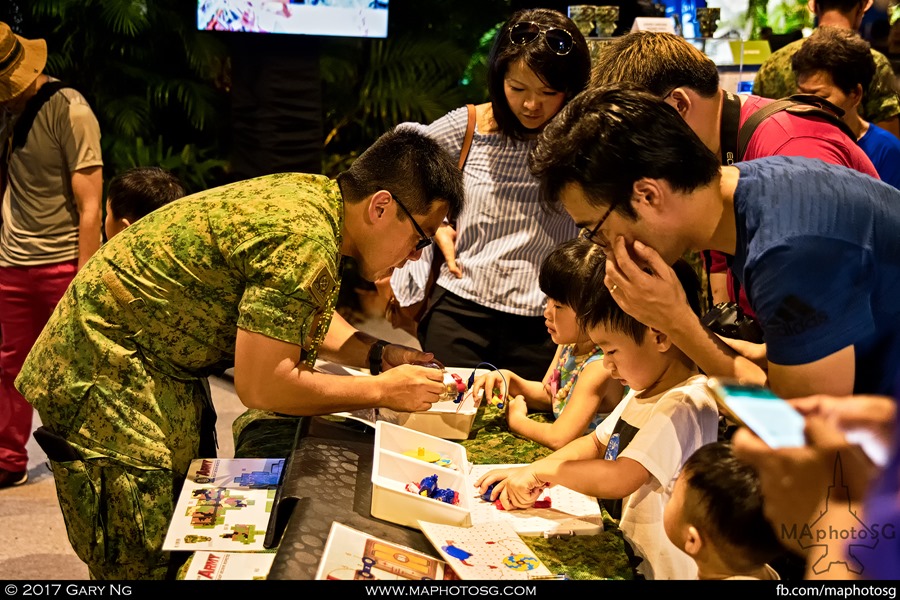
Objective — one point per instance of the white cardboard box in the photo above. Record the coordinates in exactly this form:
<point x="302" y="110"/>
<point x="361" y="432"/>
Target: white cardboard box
<point x="571" y="513"/>
<point x="445" y="419"/>
<point x="392" y="471"/>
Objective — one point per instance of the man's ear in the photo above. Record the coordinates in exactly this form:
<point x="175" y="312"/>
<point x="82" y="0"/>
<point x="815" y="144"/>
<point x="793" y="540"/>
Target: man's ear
<point x="646" y="191"/>
<point x="125" y="222"/>
<point x="680" y="100"/>
<point x="377" y="204"/>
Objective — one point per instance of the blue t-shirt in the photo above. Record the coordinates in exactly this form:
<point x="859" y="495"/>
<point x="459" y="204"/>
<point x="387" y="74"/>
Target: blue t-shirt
<point x="883" y="149"/>
<point x="818" y="252"/>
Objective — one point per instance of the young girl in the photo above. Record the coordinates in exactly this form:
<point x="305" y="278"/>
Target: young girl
<point x="576" y="409"/>
<point x="486" y="305"/>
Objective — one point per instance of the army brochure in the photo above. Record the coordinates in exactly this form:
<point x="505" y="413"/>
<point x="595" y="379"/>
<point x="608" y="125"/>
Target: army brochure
<point x="225" y="505"/>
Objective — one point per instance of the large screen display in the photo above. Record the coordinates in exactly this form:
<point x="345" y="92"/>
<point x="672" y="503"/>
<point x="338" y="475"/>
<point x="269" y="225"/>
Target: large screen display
<point x="349" y="18"/>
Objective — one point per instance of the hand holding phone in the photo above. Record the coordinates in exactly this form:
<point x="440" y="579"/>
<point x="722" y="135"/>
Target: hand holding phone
<point x="756" y="407"/>
<point x="776" y="422"/>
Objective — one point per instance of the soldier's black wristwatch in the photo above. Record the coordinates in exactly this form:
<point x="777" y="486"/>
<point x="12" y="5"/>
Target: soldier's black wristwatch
<point x="375" y="355"/>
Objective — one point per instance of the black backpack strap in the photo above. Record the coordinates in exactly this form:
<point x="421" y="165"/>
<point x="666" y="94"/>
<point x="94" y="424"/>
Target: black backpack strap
<point x="804" y="105"/>
<point x="34" y="104"/>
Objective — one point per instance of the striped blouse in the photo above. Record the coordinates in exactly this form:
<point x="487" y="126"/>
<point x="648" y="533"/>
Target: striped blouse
<point x="503" y="235"/>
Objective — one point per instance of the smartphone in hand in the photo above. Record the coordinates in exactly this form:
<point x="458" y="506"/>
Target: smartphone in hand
<point x="756" y="407"/>
<point x="775" y="421"/>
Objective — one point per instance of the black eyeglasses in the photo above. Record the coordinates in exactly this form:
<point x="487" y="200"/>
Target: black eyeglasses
<point x="592" y="234"/>
<point x="425" y="241"/>
<point x="558" y="40"/>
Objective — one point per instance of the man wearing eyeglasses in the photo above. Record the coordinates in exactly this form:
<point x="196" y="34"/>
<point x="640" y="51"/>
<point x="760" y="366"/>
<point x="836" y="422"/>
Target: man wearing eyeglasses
<point x="670" y="67"/>
<point x="815" y="245"/>
<point x="246" y="274"/>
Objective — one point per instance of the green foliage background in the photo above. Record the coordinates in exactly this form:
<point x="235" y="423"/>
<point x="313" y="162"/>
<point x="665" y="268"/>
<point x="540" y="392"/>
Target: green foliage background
<point x="160" y="88"/>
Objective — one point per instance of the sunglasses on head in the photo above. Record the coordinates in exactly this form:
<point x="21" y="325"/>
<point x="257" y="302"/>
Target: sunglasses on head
<point x="558" y="40"/>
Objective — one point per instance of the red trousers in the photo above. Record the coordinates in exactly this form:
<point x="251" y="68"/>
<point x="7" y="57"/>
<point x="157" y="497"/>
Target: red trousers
<point x="28" y="296"/>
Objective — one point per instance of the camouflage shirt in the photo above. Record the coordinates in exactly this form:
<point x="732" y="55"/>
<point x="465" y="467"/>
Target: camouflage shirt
<point x="880" y="102"/>
<point x="157" y="308"/>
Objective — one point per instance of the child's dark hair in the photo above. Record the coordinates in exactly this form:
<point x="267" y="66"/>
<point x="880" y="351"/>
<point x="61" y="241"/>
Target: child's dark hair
<point x="596" y="305"/>
<point x="137" y="192"/>
<point x="724" y="501"/>
<point x="567" y="269"/>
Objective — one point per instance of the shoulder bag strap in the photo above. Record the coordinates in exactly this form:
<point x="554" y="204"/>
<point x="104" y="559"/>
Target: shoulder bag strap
<point x="755" y="119"/>
<point x="32" y="107"/>
<point x="470" y="133"/>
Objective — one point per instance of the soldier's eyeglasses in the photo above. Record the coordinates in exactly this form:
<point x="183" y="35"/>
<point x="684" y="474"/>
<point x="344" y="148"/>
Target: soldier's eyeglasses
<point x="425" y="241"/>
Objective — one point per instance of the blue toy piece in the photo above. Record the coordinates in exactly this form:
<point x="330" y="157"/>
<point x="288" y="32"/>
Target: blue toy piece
<point x="487" y="495"/>
<point x="428" y="486"/>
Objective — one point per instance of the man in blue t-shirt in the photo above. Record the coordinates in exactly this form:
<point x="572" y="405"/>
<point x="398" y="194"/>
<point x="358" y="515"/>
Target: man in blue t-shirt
<point x="815" y="245"/>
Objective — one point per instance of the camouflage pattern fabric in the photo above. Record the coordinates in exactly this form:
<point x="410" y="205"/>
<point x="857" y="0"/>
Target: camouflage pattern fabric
<point x="775" y="79"/>
<point x="119" y="371"/>
<point x="110" y="509"/>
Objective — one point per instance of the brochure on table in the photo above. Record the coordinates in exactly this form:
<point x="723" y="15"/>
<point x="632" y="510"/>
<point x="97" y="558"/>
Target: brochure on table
<point x="352" y="554"/>
<point x="225" y="505"/>
<point x="232" y="566"/>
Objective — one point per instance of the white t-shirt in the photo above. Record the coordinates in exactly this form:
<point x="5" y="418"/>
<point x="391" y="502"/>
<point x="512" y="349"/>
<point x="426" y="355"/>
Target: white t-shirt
<point x="660" y="433"/>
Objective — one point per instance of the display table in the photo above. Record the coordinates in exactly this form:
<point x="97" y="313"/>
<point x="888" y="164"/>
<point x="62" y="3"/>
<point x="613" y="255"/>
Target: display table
<point x="328" y="478"/>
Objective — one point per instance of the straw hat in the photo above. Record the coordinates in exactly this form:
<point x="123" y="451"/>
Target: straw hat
<point x="21" y="61"/>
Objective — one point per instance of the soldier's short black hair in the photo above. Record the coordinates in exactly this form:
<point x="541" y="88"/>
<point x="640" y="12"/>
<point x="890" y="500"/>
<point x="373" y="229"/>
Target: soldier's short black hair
<point x="656" y="61"/>
<point x="137" y="192"/>
<point x="607" y="138"/>
<point x="411" y="166"/>
<point x="842" y="53"/>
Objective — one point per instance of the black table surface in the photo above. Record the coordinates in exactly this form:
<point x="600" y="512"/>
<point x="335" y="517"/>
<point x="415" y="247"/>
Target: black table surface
<point x="328" y="478"/>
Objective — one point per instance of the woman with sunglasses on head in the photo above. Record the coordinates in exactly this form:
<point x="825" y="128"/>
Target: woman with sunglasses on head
<point x="487" y="305"/>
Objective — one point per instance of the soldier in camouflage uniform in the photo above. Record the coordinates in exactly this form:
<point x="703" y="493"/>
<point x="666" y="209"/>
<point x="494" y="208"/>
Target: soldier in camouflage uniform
<point x="244" y="274"/>
<point x="881" y="104"/>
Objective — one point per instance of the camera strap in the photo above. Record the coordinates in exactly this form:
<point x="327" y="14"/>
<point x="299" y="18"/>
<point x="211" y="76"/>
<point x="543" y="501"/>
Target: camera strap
<point x="729" y="126"/>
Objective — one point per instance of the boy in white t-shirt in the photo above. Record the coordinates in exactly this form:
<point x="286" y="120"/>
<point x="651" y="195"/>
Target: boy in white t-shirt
<point x="633" y="458"/>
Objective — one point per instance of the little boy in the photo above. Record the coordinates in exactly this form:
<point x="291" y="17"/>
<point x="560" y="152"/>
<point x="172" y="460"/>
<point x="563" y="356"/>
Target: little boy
<point x="634" y="456"/>
<point x="716" y="516"/>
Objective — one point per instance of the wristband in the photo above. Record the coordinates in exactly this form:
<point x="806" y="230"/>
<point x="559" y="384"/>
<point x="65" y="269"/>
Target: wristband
<point x="376" y="351"/>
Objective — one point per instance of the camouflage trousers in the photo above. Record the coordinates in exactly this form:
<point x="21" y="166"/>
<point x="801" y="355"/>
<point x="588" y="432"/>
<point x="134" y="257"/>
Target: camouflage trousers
<point x="117" y="517"/>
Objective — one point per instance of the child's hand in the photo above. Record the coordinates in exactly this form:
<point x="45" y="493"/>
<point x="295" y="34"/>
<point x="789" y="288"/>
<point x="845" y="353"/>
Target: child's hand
<point x="516" y="408"/>
<point x="493" y="385"/>
<point x="521" y="489"/>
<point x="497" y="476"/>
